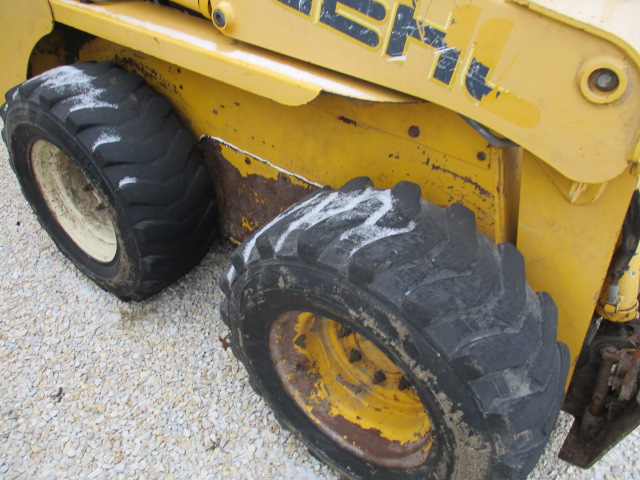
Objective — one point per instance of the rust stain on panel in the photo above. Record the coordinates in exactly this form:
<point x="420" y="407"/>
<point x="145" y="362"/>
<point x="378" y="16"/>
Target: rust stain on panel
<point x="247" y="202"/>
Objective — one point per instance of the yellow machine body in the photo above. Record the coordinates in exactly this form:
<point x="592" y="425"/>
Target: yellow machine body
<point x="287" y="96"/>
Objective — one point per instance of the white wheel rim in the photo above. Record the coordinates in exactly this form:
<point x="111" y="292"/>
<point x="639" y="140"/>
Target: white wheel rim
<point x="74" y="202"/>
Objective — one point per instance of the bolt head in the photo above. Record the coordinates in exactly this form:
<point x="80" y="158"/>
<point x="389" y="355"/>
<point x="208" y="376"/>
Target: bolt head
<point x="219" y="19"/>
<point x="414" y="131"/>
<point x="605" y="80"/>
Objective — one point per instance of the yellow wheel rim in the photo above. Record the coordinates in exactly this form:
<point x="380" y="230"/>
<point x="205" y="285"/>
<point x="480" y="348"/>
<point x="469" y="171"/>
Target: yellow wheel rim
<point x="351" y="390"/>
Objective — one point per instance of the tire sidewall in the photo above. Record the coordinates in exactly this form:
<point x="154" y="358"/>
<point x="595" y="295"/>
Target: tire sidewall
<point x="25" y="123"/>
<point x="460" y="448"/>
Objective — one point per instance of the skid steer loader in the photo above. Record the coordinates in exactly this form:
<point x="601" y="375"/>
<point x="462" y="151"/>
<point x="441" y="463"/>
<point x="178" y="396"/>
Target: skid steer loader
<point x="435" y="204"/>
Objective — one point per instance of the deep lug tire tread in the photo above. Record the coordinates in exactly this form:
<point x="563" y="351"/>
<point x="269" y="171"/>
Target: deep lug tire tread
<point x="169" y="208"/>
<point x="462" y="295"/>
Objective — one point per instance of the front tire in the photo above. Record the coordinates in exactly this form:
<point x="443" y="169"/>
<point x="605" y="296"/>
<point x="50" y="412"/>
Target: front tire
<point x="394" y="340"/>
<point x="111" y="174"/>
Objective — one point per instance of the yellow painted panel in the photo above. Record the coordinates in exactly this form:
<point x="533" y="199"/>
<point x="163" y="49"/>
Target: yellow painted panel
<point x="22" y="24"/>
<point x="193" y="43"/>
<point x="497" y="62"/>
<point x="614" y="20"/>
<point x="568" y="247"/>
<point x="249" y="164"/>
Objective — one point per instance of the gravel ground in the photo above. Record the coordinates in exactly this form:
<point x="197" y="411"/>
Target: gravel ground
<point x="94" y="388"/>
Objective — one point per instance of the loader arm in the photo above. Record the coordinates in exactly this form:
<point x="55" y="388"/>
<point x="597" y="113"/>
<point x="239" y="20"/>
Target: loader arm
<point x="499" y="63"/>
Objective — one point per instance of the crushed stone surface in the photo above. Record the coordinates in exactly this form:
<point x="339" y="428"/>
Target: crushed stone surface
<point x="94" y="388"/>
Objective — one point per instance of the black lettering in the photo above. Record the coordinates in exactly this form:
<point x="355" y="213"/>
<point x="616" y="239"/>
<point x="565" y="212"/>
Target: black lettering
<point x="302" y="6"/>
<point x="405" y="26"/>
<point x="476" y="81"/>
<point x="370" y="8"/>
<point x="447" y="62"/>
<point x="329" y="16"/>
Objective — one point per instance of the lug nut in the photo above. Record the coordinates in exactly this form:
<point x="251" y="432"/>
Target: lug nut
<point x="379" y="377"/>
<point x="403" y="384"/>
<point x="355" y="356"/>
<point x="344" y="332"/>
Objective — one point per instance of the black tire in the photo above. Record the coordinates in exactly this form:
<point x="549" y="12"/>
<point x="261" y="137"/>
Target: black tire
<point x="450" y="309"/>
<point x="145" y="216"/>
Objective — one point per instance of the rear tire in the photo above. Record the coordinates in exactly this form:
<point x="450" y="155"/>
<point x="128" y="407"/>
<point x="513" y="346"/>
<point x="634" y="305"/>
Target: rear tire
<point x="112" y="175"/>
<point x="433" y="307"/>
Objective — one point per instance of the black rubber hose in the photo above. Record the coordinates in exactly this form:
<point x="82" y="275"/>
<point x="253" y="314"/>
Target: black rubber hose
<point x="630" y="240"/>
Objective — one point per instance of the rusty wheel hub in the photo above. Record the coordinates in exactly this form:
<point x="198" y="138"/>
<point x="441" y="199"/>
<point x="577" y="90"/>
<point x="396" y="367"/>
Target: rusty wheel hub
<point x="351" y="390"/>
